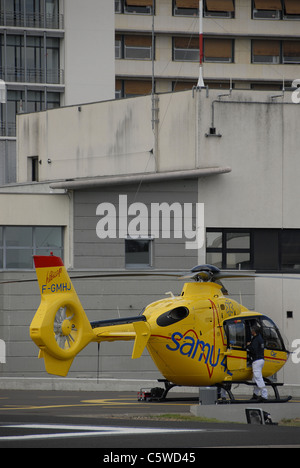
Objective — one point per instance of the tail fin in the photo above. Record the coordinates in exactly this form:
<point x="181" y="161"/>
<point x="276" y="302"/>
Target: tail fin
<point x="60" y="327"/>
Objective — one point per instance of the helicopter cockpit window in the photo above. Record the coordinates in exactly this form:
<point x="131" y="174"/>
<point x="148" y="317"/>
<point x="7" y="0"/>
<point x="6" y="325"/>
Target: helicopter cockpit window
<point x="271" y="335"/>
<point x="236" y="334"/>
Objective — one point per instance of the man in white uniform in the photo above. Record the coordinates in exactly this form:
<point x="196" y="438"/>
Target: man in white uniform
<point x="256" y="349"/>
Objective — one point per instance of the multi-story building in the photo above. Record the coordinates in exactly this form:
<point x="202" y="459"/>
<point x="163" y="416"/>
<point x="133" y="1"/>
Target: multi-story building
<point x="248" y="44"/>
<point x="52" y="53"/>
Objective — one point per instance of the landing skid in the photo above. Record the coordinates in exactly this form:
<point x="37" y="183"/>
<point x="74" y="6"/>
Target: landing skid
<point x="160" y="394"/>
<point x="232" y="400"/>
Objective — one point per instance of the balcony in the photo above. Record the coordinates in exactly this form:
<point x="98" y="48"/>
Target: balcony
<point x="32" y="75"/>
<point x="36" y="20"/>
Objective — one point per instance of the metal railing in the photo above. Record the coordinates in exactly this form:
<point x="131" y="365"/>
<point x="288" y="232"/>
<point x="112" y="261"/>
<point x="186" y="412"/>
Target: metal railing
<point x="32" y="75"/>
<point x="35" y="20"/>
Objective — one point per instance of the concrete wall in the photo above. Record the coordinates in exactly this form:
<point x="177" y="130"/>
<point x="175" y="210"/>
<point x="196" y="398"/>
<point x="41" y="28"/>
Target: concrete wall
<point x="112" y="137"/>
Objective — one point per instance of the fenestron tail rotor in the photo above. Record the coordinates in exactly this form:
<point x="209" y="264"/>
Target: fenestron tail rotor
<point x="64" y="328"/>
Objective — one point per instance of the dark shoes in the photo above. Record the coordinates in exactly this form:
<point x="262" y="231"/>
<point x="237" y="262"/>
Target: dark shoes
<point x="258" y="399"/>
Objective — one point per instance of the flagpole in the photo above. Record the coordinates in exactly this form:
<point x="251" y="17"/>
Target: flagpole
<point x="200" y="83"/>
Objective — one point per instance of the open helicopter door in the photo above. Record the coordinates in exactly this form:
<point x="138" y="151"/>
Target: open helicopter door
<point x="238" y="333"/>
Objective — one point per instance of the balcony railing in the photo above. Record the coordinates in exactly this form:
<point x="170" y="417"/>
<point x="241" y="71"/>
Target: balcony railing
<point x="32" y="75"/>
<point x="35" y="20"/>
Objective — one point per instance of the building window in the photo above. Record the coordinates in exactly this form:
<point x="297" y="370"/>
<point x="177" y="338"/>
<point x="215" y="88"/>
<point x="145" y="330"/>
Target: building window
<point x="266" y="9"/>
<point x="135" y="7"/>
<point x="132" y="88"/>
<point x="228" y="249"/>
<point x="211" y="8"/>
<point x="275" y="9"/>
<point x="24" y="101"/>
<point x="291" y="52"/>
<point x="218" y="50"/>
<point x="219" y="8"/>
<point x="186" y="49"/>
<point x="265" y="51"/>
<point x="30" y="59"/>
<point x="291" y="9"/>
<point x="133" y="47"/>
<point x="18" y="244"/>
<point x="185" y="7"/>
<point x="275" y="52"/>
<point x="31" y="13"/>
<point x="275" y="250"/>
<point x="138" y="253"/>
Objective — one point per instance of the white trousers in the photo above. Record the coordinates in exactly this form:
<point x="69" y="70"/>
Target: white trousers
<point x="260" y="387"/>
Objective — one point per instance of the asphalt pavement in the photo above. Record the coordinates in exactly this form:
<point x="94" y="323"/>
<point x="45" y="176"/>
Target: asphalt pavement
<point x="120" y="425"/>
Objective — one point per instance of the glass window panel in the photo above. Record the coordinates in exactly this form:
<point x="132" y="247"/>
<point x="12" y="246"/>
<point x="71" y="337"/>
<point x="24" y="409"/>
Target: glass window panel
<point x="1" y="236"/>
<point x="53" y="100"/>
<point x="50" y="250"/>
<point x="138" y="53"/>
<point x="19" y="259"/>
<point x="137" y="252"/>
<point x="266" y="249"/>
<point x="52" y="60"/>
<point x="290" y="249"/>
<point x="18" y="236"/>
<point x="237" y="260"/>
<point x="189" y="55"/>
<point x="236" y="335"/>
<point x="214" y="258"/>
<point x="214" y="240"/>
<point x="271" y="336"/>
<point x="238" y="240"/>
<point x="48" y="237"/>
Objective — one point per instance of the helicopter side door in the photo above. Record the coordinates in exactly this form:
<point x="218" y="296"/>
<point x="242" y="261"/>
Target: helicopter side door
<point x="236" y="331"/>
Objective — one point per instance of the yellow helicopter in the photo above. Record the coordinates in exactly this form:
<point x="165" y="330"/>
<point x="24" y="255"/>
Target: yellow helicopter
<point x="195" y="339"/>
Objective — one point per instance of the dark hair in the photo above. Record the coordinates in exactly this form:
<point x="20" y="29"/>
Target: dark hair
<point x="256" y="329"/>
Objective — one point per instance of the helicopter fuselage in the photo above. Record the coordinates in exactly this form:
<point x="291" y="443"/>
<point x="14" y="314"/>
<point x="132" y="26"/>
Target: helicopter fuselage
<point x="198" y="338"/>
<point x="191" y="337"/>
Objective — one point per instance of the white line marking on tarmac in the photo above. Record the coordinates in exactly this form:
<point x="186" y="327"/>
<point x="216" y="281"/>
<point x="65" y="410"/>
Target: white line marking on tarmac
<point x="84" y="431"/>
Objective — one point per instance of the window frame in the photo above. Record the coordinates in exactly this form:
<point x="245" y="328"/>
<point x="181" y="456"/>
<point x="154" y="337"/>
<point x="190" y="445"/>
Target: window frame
<point x="139" y="265"/>
<point x="280" y="14"/>
<point x="31" y="248"/>
<point x="219" y="59"/>
<point x="224" y="250"/>
<point x="226" y="14"/>
<point x="124" y="43"/>
<point x="122" y="8"/>
<point x="275" y="258"/>
<point x="281" y="58"/>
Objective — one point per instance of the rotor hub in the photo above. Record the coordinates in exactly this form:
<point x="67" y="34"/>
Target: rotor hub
<point x="66" y="327"/>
